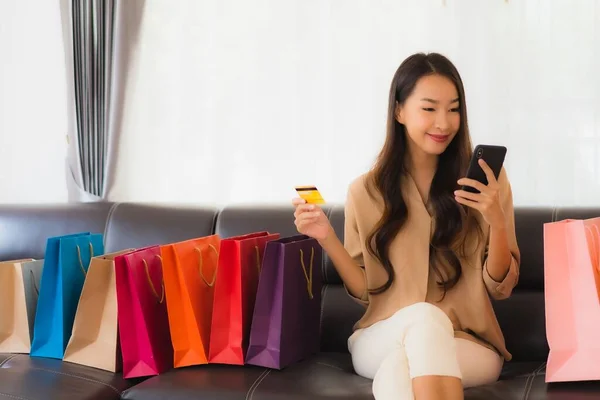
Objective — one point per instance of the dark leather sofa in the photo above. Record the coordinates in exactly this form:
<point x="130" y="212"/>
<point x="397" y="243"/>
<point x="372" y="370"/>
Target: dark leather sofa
<point x="328" y="375"/>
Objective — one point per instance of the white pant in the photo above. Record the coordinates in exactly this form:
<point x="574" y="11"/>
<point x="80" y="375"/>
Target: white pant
<point x="418" y="340"/>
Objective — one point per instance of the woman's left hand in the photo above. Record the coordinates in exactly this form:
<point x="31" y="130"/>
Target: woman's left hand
<point x="487" y="201"/>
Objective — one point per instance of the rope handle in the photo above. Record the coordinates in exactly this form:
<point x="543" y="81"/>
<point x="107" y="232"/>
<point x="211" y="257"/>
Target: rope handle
<point x="258" y="263"/>
<point x="79" y="256"/>
<point x="162" y="283"/>
<point x="308" y="275"/>
<point x="594" y="234"/>
<point x="37" y="291"/>
<point x="201" y="266"/>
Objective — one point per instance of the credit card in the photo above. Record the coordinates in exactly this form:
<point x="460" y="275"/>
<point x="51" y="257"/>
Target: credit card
<point x="311" y="194"/>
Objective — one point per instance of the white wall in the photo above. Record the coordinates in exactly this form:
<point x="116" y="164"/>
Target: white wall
<point x="33" y="110"/>
<point x="238" y="101"/>
<point x="232" y="98"/>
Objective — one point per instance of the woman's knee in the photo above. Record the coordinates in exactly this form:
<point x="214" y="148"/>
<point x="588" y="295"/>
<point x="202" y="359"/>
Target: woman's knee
<point x="366" y="356"/>
<point x="392" y="380"/>
<point x="430" y="346"/>
<point x="479" y="365"/>
<point x="419" y="330"/>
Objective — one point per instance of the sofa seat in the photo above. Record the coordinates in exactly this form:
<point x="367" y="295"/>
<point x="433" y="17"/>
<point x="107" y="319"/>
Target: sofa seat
<point x="31" y="378"/>
<point x="526" y="381"/>
<point x="330" y="376"/>
<point x="324" y="376"/>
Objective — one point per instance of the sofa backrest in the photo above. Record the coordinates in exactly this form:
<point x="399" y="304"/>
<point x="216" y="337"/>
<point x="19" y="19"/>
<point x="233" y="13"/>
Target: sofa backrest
<point x="24" y="229"/>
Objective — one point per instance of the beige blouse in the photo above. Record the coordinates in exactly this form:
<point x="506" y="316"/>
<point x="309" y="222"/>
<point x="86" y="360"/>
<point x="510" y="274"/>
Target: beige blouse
<point x="468" y="304"/>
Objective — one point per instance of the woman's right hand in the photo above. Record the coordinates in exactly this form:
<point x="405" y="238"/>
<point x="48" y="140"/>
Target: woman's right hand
<point x="311" y="220"/>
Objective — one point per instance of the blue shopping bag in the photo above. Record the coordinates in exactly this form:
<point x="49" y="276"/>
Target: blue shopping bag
<point x="65" y="265"/>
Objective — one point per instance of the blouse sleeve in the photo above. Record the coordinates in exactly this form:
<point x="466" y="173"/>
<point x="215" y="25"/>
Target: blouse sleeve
<point x="502" y="289"/>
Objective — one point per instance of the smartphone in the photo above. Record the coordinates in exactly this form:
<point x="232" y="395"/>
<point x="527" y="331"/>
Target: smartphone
<point x="493" y="156"/>
<point x="311" y="194"/>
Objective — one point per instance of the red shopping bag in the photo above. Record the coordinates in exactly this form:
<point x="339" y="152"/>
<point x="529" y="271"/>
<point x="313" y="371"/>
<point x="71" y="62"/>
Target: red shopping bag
<point x="240" y="258"/>
<point x="142" y="314"/>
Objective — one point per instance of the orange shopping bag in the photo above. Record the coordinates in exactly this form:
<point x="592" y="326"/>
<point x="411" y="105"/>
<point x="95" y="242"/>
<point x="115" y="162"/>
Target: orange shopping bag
<point x="571" y="290"/>
<point x="189" y="272"/>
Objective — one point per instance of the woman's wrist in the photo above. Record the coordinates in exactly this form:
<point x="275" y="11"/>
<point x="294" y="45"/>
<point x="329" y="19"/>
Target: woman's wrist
<point x="499" y="228"/>
<point x="329" y="239"/>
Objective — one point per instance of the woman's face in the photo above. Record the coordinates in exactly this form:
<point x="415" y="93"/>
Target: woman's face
<point x="431" y="114"/>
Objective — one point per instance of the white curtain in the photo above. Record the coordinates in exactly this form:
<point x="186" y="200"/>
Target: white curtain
<point x="99" y="38"/>
<point x="33" y="105"/>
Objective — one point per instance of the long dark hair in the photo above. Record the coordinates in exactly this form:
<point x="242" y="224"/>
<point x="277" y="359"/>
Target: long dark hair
<point x="452" y="221"/>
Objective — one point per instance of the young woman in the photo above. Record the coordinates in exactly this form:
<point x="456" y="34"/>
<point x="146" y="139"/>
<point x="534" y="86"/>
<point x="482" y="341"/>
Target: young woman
<point x="422" y="255"/>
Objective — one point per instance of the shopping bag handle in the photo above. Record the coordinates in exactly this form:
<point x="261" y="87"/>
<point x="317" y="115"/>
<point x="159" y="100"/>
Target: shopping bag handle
<point x="595" y="236"/>
<point x="308" y="275"/>
<point x="201" y="266"/>
<point x="162" y="283"/>
<point x="258" y="263"/>
<point x="37" y="291"/>
<point x="79" y="256"/>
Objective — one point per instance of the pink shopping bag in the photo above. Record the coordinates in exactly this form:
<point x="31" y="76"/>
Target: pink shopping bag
<point x="572" y="287"/>
<point x="142" y="314"/>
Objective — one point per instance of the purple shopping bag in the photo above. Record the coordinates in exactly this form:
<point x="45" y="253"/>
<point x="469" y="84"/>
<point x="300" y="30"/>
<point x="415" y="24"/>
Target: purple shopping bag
<point x="286" y="320"/>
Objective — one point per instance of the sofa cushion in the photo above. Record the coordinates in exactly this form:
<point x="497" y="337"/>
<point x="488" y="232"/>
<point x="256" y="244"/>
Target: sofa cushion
<point x="24" y="229"/>
<point x="32" y="378"/>
<point x="522" y="320"/>
<point x="239" y="220"/>
<point x="529" y="227"/>
<point x="338" y="315"/>
<point x="336" y="218"/>
<point x="576" y="213"/>
<point x="140" y="225"/>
